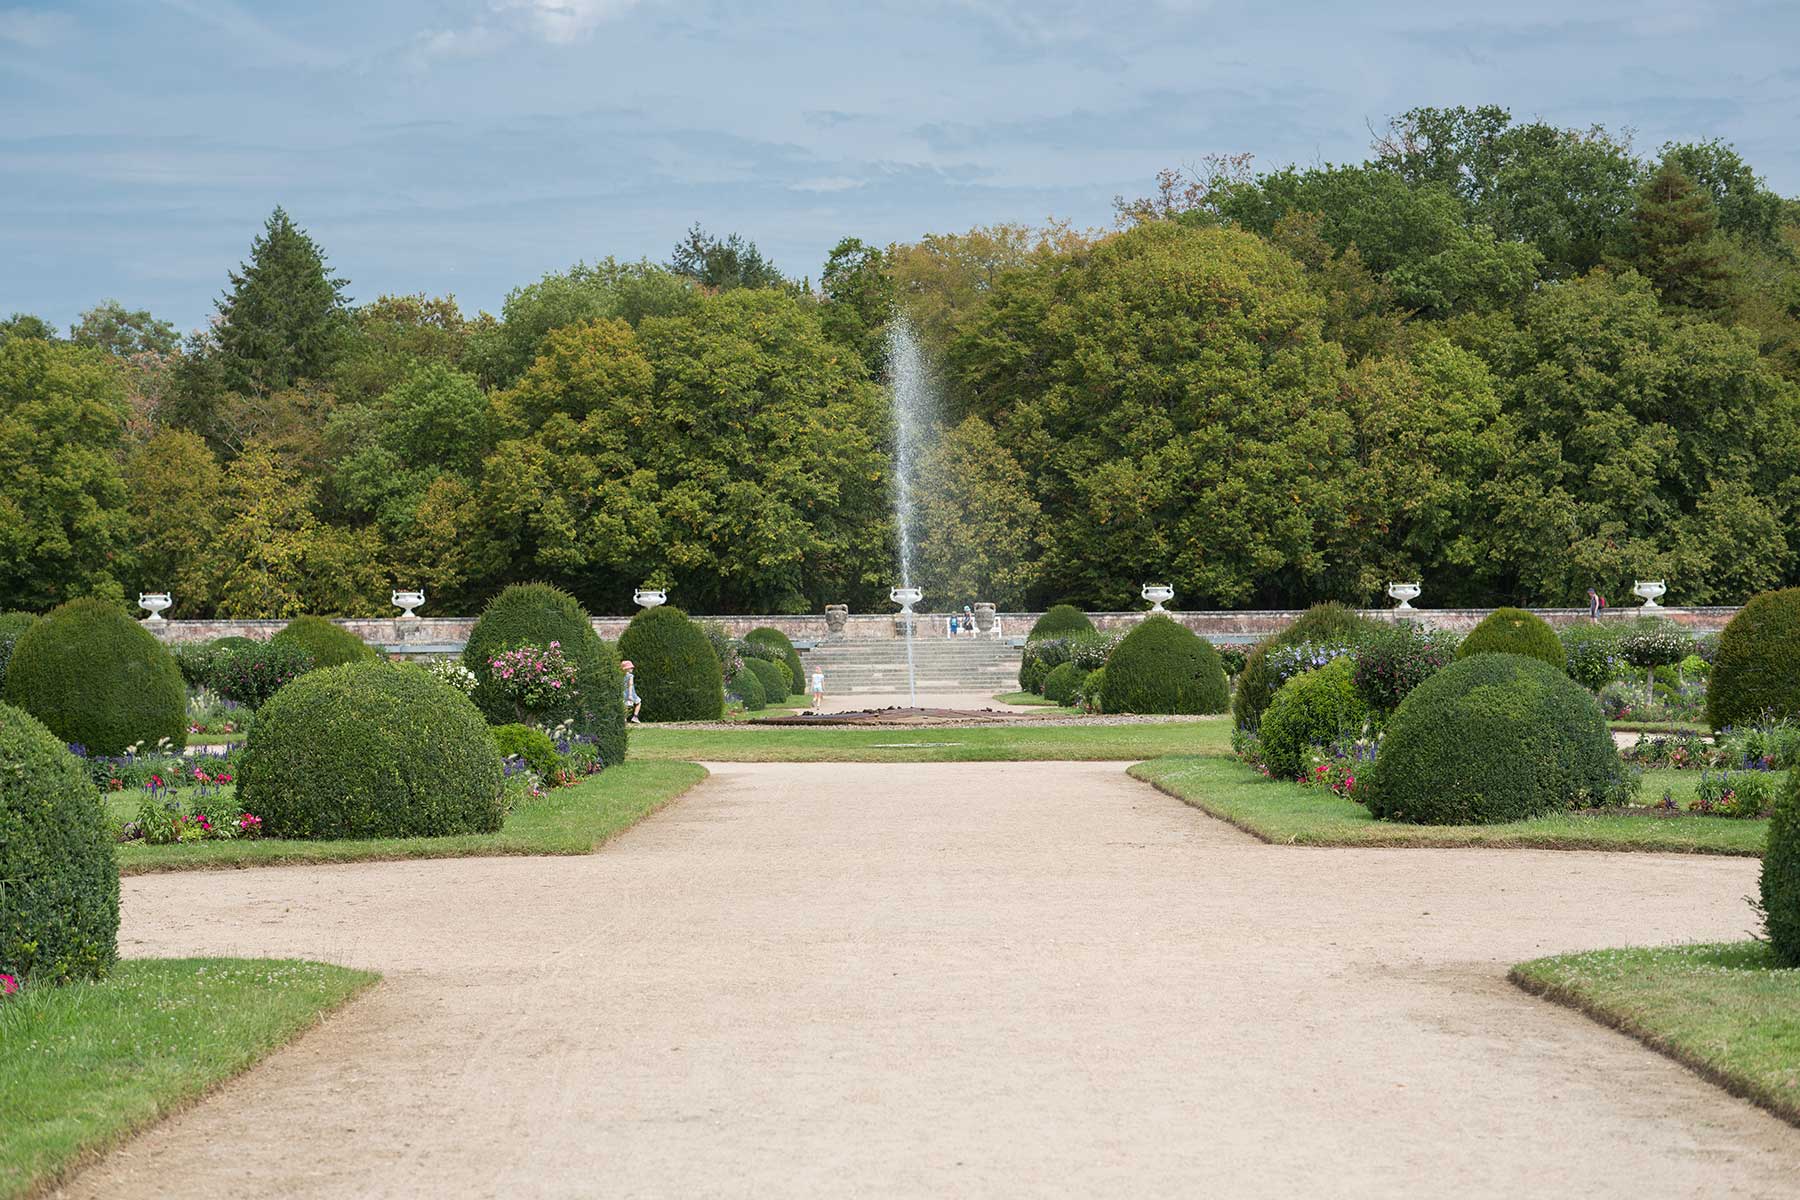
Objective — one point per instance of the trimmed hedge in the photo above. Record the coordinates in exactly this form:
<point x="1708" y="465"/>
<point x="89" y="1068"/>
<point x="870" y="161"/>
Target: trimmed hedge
<point x="747" y="686"/>
<point x="60" y="919"/>
<point x="789" y="657"/>
<point x="1164" y="667"/>
<point x="1314" y="708"/>
<point x="1492" y="738"/>
<point x="1756" y="670"/>
<point x="532" y="745"/>
<point x="367" y="750"/>
<point x="12" y="624"/>
<point x="1780" y="900"/>
<point x="677" y="673"/>
<point x="537" y="614"/>
<point x="772" y="675"/>
<point x="1059" y="621"/>
<point x="330" y="644"/>
<point x="1063" y="682"/>
<point x="1515" y="631"/>
<point x="98" y="679"/>
<point x="1327" y="624"/>
<point x="248" y="672"/>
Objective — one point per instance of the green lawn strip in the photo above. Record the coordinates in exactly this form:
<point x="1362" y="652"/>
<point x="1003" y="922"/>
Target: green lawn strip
<point x="1726" y="1010"/>
<point x="1289" y="813"/>
<point x="1001" y="743"/>
<point x="569" y="820"/>
<point x="214" y="739"/>
<point x="792" y="705"/>
<point x="84" y="1066"/>
<point x="1662" y="727"/>
<point x="1034" y="700"/>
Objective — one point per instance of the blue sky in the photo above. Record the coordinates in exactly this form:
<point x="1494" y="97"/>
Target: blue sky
<point x="469" y="146"/>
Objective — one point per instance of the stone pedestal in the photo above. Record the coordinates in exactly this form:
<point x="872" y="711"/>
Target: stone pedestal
<point x="837" y="616"/>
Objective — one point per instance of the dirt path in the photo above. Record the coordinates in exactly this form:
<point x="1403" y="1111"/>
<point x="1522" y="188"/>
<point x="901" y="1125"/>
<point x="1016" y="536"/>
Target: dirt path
<point x="1005" y="979"/>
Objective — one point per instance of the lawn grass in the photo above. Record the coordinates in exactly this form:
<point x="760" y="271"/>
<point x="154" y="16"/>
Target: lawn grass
<point x="84" y="1066"/>
<point x="215" y="739"/>
<point x="792" y="704"/>
<point x="1276" y="811"/>
<point x="976" y="743"/>
<point x="569" y="820"/>
<point x="1035" y="701"/>
<point x="1729" y="1011"/>
<point x="1663" y="727"/>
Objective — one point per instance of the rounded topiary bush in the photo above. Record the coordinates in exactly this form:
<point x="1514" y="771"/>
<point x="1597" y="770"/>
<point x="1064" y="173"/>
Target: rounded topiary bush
<point x="12" y="624"/>
<point x="532" y="745"/>
<point x="1059" y="621"/>
<point x="369" y="750"/>
<point x="60" y="919"/>
<point x="773" y="677"/>
<point x="789" y="657"/>
<point x="1326" y="624"/>
<point x="1756" y="668"/>
<point x="747" y="686"/>
<point x="1061" y="684"/>
<point x="1780" y="900"/>
<point x="98" y="679"/>
<point x="536" y="614"/>
<point x="1312" y="709"/>
<point x="330" y="644"/>
<point x="1164" y="667"/>
<point x="1515" y="631"/>
<point x="1491" y="738"/>
<point x="677" y="673"/>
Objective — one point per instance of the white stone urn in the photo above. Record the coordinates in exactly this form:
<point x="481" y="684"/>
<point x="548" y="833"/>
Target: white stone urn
<point x="154" y="603"/>
<point x="1405" y="593"/>
<point x="905" y="597"/>
<point x="1651" y="590"/>
<point x="984" y="617"/>
<point x="649" y="597"/>
<point x="407" y="601"/>
<point x="1158" y="594"/>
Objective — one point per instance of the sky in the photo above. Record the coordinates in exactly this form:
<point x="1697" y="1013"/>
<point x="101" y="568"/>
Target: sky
<point x="470" y="146"/>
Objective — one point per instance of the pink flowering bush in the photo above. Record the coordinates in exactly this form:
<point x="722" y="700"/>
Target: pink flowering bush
<point x="8" y="985"/>
<point x="536" y="680"/>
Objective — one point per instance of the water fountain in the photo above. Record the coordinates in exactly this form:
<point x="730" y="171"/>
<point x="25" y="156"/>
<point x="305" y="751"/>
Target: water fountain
<point x="909" y="388"/>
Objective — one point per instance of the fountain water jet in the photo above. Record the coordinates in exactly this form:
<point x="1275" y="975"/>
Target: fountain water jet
<point x="909" y="390"/>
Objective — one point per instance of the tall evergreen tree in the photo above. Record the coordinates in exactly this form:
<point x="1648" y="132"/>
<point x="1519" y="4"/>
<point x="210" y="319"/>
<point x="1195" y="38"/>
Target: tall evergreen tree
<point x="284" y="318"/>
<point x="1674" y="241"/>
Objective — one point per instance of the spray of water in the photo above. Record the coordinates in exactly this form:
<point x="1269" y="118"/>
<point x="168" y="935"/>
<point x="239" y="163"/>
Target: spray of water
<point x="909" y="389"/>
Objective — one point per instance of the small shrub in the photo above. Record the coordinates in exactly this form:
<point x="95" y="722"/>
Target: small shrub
<point x="1089" y="651"/>
<point x="1058" y="621"/>
<point x="1780" y="887"/>
<point x="369" y="750"/>
<point x="330" y="644"/>
<point x="1394" y="661"/>
<point x="773" y="677"/>
<point x="1515" y="631"/>
<point x="1311" y="710"/>
<point x="60" y="918"/>
<point x="787" y="656"/>
<point x="1162" y="666"/>
<point x="727" y="649"/>
<point x="12" y="624"/>
<point x="1591" y="651"/>
<point x="532" y="745"/>
<point x="747" y="686"/>
<point x="1088" y="696"/>
<point x="250" y="673"/>
<point x="1756" y="672"/>
<point x="1328" y="625"/>
<point x="98" y="679"/>
<point x="1658" y="644"/>
<point x="536" y="614"/>
<point x="1063" y="682"/>
<point x="677" y="673"/>
<point x="1232" y="659"/>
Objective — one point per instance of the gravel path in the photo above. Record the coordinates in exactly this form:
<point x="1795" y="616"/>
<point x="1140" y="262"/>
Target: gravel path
<point x="969" y="980"/>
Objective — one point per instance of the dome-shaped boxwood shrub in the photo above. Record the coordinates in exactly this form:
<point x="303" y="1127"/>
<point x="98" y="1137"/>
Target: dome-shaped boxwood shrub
<point x="1491" y="738"/>
<point x="747" y="687"/>
<point x="536" y="614"/>
<point x="677" y="674"/>
<point x="1060" y="620"/>
<point x="1756" y="669"/>
<point x="368" y="750"/>
<point x="1062" y="682"/>
<point x="1780" y="900"/>
<point x="1164" y="667"/>
<point x="12" y="624"/>
<point x="1515" y="631"/>
<point x="60" y="919"/>
<point x="330" y="644"/>
<point x="772" y="675"/>
<point x="532" y="745"/>
<point x="98" y="679"/>
<point x="789" y="657"/>
<point x="1326" y="624"/>
<point x="1314" y="708"/>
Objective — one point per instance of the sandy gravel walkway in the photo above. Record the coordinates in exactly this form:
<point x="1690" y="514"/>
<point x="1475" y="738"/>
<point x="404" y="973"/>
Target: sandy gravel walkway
<point x="950" y="980"/>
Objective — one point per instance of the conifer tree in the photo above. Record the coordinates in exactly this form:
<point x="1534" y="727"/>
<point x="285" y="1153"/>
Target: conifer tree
<point x="1675" y="243"/>
<point x="284" y="318"/>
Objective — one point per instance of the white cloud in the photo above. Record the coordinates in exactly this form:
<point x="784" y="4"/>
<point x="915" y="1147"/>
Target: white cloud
<point x="566" y="20"/>
<point x="33" y="28"/>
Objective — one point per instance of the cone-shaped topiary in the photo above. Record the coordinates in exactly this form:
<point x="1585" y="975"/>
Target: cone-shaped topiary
<point x="1781" y="874"/>
<point x="369" y="750"/>
<point x="1163" y="667"/>
<point x="1756" y="671"/>
<point x="12" y="624"/>
<point x="1491" y="738"/>
<point x="747" y="686"/>
<point x="790" y="658"/>
<point x="536" y="614"/>
<point x="1314" y="708"/>
<point x="774" y="679"/>
<point x="98" y="679"/>
<point x="677" y="673"/>
<point x="1326" y="624"/>
<point x="330" y="644"/>
<point x="60" y="918"/>
<point x="1059" y="621"/>
<point x="1515" y="631"/>
<point x="1063" y="681"/>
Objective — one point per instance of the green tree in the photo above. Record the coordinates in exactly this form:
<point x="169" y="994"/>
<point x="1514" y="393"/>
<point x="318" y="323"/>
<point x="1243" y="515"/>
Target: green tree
<point x="25" y="326"/>
<point x="393" y="336"/>
<point x="942" y="280"/>
<point x="859" y="298"/>
<point x="258" y="563"/>
<point x="721" y="264"/>
<point x="608" y="289"/>
<point x="284" y="318"/>
<point x="977" y="521"/>
<point x="386" y="454"/>
<point x="112" y="327"/>
<point x="1673" y="242"/>
<point x="177" y="499"/>
<point x="1747" y="208"/>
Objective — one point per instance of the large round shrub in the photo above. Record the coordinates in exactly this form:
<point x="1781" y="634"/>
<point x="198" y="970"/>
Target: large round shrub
<point x="1515" y="631"/>
<point x="1781" y="874"/>
<point x="1756" y="670"/>
<point x="248" y="672"/>
<point x="1058" y="621"/>
<point x="60" y="919"/>
<point x="1314" y="708"/>
<point x="98" y="679"/>
<point x="536" y="614"/>
<point x="1061" y="684"/>
<point x="773" y="677"/>
<point x="12" y="624"/>
<point x="369" y="750"/>
<point x="747" y="686"/>
<point x="330" y="644"/>
<point x="1491" y="738"/>
<point x="1164" y="667"/>
<point x="677" y="674"/>
<point x="1326" y="624"/>
<point x="789" y="657"/>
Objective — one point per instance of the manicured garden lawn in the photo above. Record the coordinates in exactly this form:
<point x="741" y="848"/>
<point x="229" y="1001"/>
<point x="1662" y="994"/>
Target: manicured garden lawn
<point x="83" y="1066"/>
<point x="1035" y="700"/>
<point x="1277" y="811"/>
<point x="214" y="739"/>
<point x="997" y="743"/>
<point x="1666" y="727"/>
<point x="787" y="707"/>
<point x="570" y="820"/>
<point x="1728" y="1011"/>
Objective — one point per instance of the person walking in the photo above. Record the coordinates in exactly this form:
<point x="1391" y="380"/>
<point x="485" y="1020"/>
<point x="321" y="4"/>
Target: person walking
<point x="818" y="689"/>
<point x="634" y="703"/>
<point x="1596" y="604"/>
<point x="968" y="620"/>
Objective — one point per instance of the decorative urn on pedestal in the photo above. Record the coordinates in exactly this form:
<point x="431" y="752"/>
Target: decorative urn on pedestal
<point x="1158" y="594"/>
<point x="1405" y="593"/>
<point x="984" y="617"/>
<point x="1651" y="590"/>
<point x="649" y="597"/>
<point x="154" y="603"/>
<point x="837" y="616"/>
<point x="406" y="602"/>
<point x="905" y="597"/>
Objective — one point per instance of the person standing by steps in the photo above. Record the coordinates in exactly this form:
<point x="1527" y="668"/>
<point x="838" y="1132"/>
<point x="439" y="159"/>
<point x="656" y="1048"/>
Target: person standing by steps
<point x="633" y="702"/>
<point x="818" y="689"/>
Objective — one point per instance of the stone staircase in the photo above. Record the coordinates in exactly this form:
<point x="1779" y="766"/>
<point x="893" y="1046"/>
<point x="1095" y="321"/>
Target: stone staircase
<point x="964" y="664"/>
